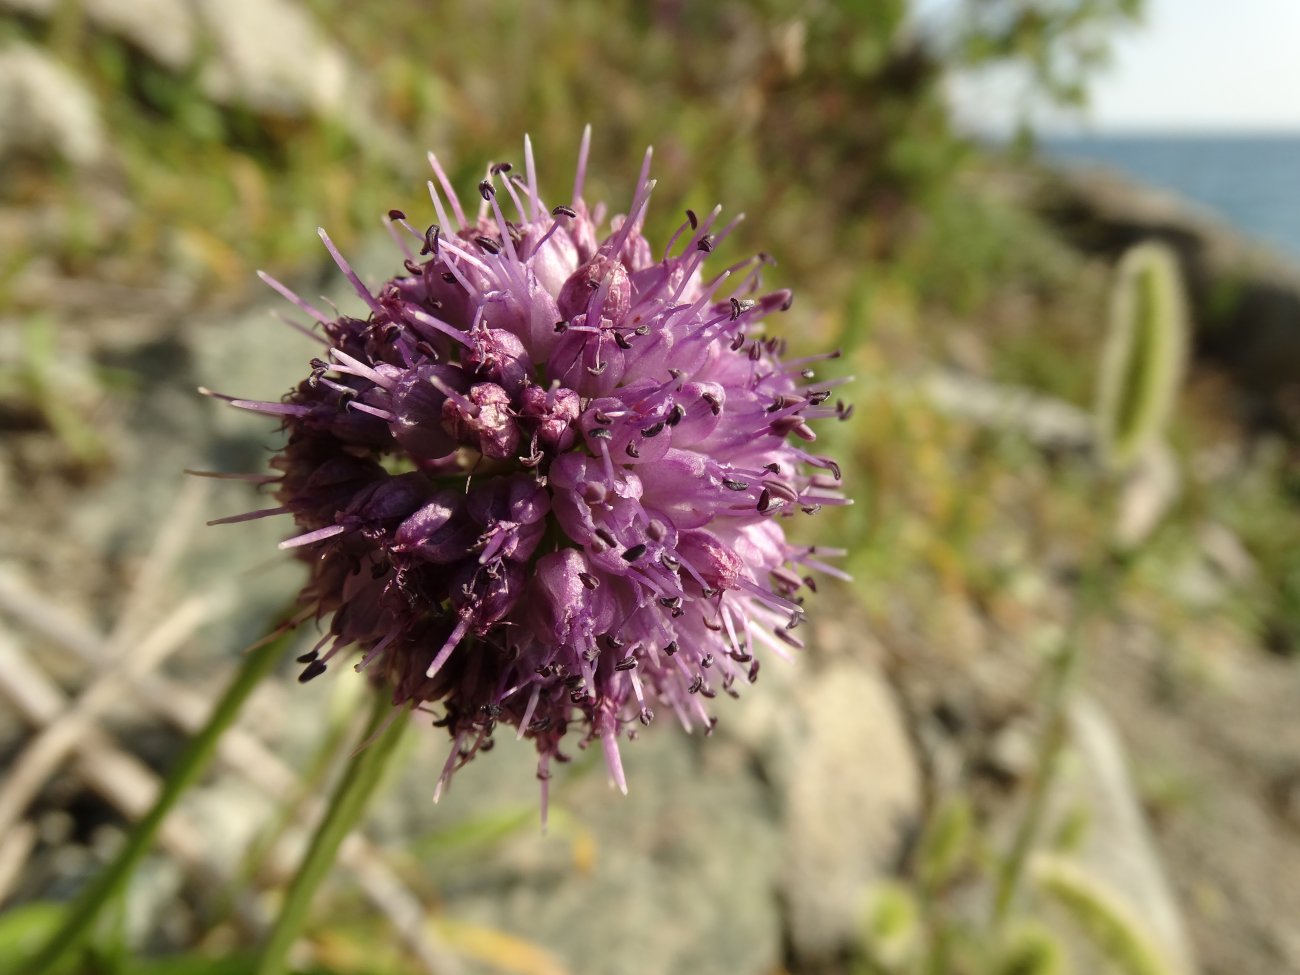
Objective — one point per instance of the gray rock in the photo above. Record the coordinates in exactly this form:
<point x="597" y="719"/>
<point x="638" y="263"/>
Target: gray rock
<point x="273" y="56"/>
<point x="44" y="109"/>
<point x="163" y="29"/>
<point x="1011" y="752"/>
<point x="852" y="793"/>
<point x="1225" y="552"/>
<point x="679" y="876"/>
<point x="831" y="739"/>
<point x="1044" y="420"/>
<point x="269" y="55"/>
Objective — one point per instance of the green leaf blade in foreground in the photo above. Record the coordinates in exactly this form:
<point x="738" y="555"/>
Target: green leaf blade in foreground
<point x="191" y="764"/>
<point x="358" y="785"/>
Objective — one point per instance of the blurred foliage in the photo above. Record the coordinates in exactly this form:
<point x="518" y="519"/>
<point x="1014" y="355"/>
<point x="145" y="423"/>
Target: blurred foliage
<point x="1109" y="923"/>
<point x="1059" y="43"/>
<point x="814" y="111"/>
<point x="1260" y="505"/>
<point x="42" y="389"/>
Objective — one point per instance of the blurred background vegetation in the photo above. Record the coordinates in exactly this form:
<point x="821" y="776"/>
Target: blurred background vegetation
<point x="913" y="247"/>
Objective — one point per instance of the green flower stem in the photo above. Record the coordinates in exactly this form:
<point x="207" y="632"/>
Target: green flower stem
<point x="1060" y="683"/>
<point x="1049" y="754"/>
<point x="357" y="786"/>
<point x="191" y="764"/>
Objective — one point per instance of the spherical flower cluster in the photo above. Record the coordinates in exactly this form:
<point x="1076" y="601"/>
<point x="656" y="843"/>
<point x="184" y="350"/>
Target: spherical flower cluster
<point x="542" y="482"/>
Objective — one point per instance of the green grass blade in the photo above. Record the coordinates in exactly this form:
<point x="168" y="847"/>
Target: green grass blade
<point x="357" y="786"/>
<point x="191" y="764"/>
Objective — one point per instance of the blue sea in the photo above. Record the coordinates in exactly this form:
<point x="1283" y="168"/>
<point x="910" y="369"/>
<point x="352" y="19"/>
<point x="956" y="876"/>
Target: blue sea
<point x="1252" y="182"/>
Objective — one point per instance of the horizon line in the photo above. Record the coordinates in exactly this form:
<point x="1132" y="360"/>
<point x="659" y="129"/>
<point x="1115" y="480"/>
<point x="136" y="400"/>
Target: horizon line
<point x="1218" y="131"/>
<point x="1156" y="131"/>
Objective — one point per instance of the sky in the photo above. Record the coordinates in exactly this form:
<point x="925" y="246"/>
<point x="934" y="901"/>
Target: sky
<point x="1196" y="65"/>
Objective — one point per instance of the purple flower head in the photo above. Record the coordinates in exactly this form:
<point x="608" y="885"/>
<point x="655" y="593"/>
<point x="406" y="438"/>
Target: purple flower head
<point x="543" y="482"/>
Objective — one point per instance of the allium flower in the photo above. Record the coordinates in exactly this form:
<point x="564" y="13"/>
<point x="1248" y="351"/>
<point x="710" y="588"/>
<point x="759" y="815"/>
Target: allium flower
<point x="543" y="481"/>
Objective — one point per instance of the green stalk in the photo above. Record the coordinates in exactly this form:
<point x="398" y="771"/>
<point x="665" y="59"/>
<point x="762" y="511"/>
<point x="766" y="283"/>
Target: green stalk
<point x="1051" y="746"/>
<point x="191" y="764"/>
<point x="325" y="761"/>
<point x="358" y="785"/>
<point x="1060" y="683"/>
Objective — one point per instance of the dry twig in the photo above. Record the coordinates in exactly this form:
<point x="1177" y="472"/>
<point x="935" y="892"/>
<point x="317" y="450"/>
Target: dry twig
<point x="123" y="780"/>
<point x="246" y="754"/>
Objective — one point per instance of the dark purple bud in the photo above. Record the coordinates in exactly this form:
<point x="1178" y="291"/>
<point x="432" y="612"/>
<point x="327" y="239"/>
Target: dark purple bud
<point x="385" y="503"/>
<point x="417" y="407"/>
<point x="439" y="532"/>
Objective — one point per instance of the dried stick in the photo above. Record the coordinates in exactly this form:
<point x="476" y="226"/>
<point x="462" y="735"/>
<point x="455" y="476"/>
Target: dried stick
<point x="64" y="731"/>
<point x="155" y="571"/>
<point x="123" y="780"/>
<point x="246" y="754"/>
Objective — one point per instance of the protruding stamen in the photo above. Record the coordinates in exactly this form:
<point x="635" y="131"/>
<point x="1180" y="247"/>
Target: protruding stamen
<point x="530" y="174"/>
<point x="445" y="183"/>
<point x="580" y="173"/>
<point x="456" y="634"/>
<point x="510" y="183"/>
<point x="310" y="538"/>
<point x="223" y="476"/>
<point x="443" y="219"/>
<point x="613" y="761"/>
<point x="250" y="515"/>
<point x="375" y="652"/>
<point x="466" y="405"/>
<point x="424" y="318"/>
<point x="633" y="219"/>
<point x="506" y="240"/>
<point x="527" y="719"/>
<point x="827" y="568"/>
<point x="385" y="415"/>
<point x="314" y="336"/>
<point x="350" y="274"/>
<point x="259" y="406"/>
<point x="393" y="220"/>
<point x="293" y="296"/>
<point x="356" y="367"/>
<point x="449" y="766"/>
